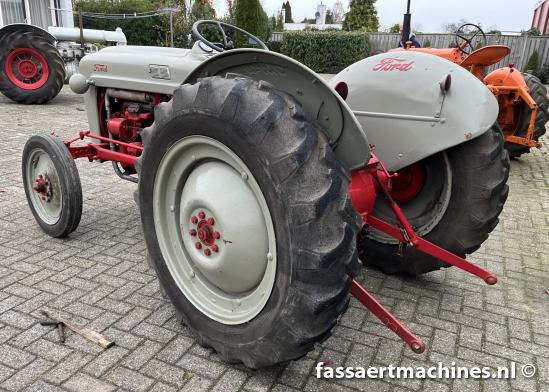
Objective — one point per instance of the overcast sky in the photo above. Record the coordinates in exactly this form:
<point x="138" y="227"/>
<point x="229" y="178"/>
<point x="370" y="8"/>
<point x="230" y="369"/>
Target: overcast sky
<point x="427" y="15"/>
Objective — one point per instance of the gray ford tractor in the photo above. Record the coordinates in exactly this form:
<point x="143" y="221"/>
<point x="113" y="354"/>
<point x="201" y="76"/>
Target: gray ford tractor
<point x="256" y="178"/>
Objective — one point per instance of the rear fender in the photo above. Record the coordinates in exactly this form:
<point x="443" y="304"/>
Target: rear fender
<point x="398" y="100"/>
<point x="509" y="77"/>
<point x="25" y="27"/>
<point x="320" y="102"/>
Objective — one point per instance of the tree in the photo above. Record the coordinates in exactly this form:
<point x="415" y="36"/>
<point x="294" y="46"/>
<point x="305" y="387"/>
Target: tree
<point x="329" y="17"/>
<point x="362" y="16"/>
<point x="338" y="12"/>
<point x="202" y="9"/>
<point x="143" y="31"/>
<point x="250" y="16"/>
<point x="453" y="27"/>
<point x="494" y="29"/>
<point x="230" y="10"/>
<point x="287" y="8"/>
<point x="533" y="32"/>
<point x="533" y="62"/>
<point x="279" y="22"/>
<point x="394" y="28"/>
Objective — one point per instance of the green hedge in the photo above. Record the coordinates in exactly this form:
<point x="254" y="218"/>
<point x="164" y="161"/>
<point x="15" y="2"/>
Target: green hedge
<point x="326" y="52"/>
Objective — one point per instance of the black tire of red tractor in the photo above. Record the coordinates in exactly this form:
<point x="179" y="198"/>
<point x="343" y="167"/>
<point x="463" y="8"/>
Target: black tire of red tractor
<point x="306" y="189"/>
<point x="480" y="169"/>
<point x="69" y="179"/>
<point x="56" y="78"/>
<point x="538" y="91"/>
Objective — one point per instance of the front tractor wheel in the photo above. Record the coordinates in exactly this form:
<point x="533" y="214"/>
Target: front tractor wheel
<point x="32" y="71"/>
<point x="452" y="199"/>
<point x="52" y="185"/>
<point x="247" y="220"/>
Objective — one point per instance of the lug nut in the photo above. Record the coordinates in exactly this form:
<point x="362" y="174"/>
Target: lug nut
<point x="194" y="220"/>
<point x="215" y="248"/>
<point x="193" y="232"/>
<point x="207" y="252"/>
<point x="201" y="214"/>
<point x="216" y="235"/>
<point x="211" y="221"/>
<point x="198" y="245"/>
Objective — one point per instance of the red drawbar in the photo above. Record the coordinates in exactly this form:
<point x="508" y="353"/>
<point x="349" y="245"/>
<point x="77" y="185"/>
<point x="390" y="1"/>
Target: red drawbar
<point x="386" y="317"/>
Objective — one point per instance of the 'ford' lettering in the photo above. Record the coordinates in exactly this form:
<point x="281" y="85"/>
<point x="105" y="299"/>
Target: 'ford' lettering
<point x="392" y="64"/>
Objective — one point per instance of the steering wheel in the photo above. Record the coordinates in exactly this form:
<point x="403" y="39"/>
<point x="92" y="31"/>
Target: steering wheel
<point x="466" y="35"/>
<point x="227" y="43"/>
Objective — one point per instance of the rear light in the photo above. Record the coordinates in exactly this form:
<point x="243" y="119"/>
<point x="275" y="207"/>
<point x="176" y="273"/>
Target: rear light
<point x="342" y="89"/>
<point x="446" y="83"/>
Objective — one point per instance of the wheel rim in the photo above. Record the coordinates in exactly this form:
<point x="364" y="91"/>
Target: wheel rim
<point x="44" y="188"/>
<point x="27" y="68"/>
<point x="409" y="182"/>
<point x="423" y="206"/>
<point x="214" y="230"/>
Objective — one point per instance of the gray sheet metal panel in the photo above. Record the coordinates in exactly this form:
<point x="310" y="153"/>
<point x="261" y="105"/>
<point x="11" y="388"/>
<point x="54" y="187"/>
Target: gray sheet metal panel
<point x="320" y="102"/>
<point x="128" y="67"/>
<point x="406" y="115"/>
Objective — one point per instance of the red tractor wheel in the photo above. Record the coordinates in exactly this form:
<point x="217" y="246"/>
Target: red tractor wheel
<point x="33" y="72"/>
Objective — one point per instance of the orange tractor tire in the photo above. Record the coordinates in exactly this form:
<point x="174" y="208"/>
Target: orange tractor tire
<point x="538" y="91"/>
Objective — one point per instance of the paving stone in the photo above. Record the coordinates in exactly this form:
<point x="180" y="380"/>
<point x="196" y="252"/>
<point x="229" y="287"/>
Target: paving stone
<point x="105" y="361"/>
<point x="141" y="354"/>
<point x="129" y="379"/>
<point x="67" y="367"/>
<point x="81" y="382"/>
<point x="165" y="372"/>
<point x="27" y="375"/>
<point x="14" y="357"/>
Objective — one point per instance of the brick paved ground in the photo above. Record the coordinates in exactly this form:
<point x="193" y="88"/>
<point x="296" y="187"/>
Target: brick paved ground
<point x="99" y="277"/>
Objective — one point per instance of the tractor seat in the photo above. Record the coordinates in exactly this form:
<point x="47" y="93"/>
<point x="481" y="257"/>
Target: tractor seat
<point x="486" y="56"/>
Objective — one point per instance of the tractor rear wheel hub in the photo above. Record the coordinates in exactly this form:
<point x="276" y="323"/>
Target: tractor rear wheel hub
<point x="215" y="230"/>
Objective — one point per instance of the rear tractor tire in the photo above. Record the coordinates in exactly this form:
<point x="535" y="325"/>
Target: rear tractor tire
<point x="52" y="185"/>
<point x="456" y="207"/>
<point x="247" y="219"/>
<point x="538" y="91"/>
<point x="32" y="71"/>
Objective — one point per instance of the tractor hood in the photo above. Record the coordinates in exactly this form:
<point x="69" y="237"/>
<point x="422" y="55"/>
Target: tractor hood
<point x="401" y="101"/>
<point x="141" y="68"/>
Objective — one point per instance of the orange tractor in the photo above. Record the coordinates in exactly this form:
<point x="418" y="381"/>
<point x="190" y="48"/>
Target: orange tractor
<point x="522" y="97"/>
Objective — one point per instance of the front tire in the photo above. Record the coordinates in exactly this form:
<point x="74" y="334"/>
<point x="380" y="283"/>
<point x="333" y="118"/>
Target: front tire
<point x="52" y="185"/>
<point x="247" y="219"/>
<point x="32" y="71"/>
<point x="472" y="195"/>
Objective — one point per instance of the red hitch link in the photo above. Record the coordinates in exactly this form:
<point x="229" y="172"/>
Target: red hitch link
<point x="362" y="200"/>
